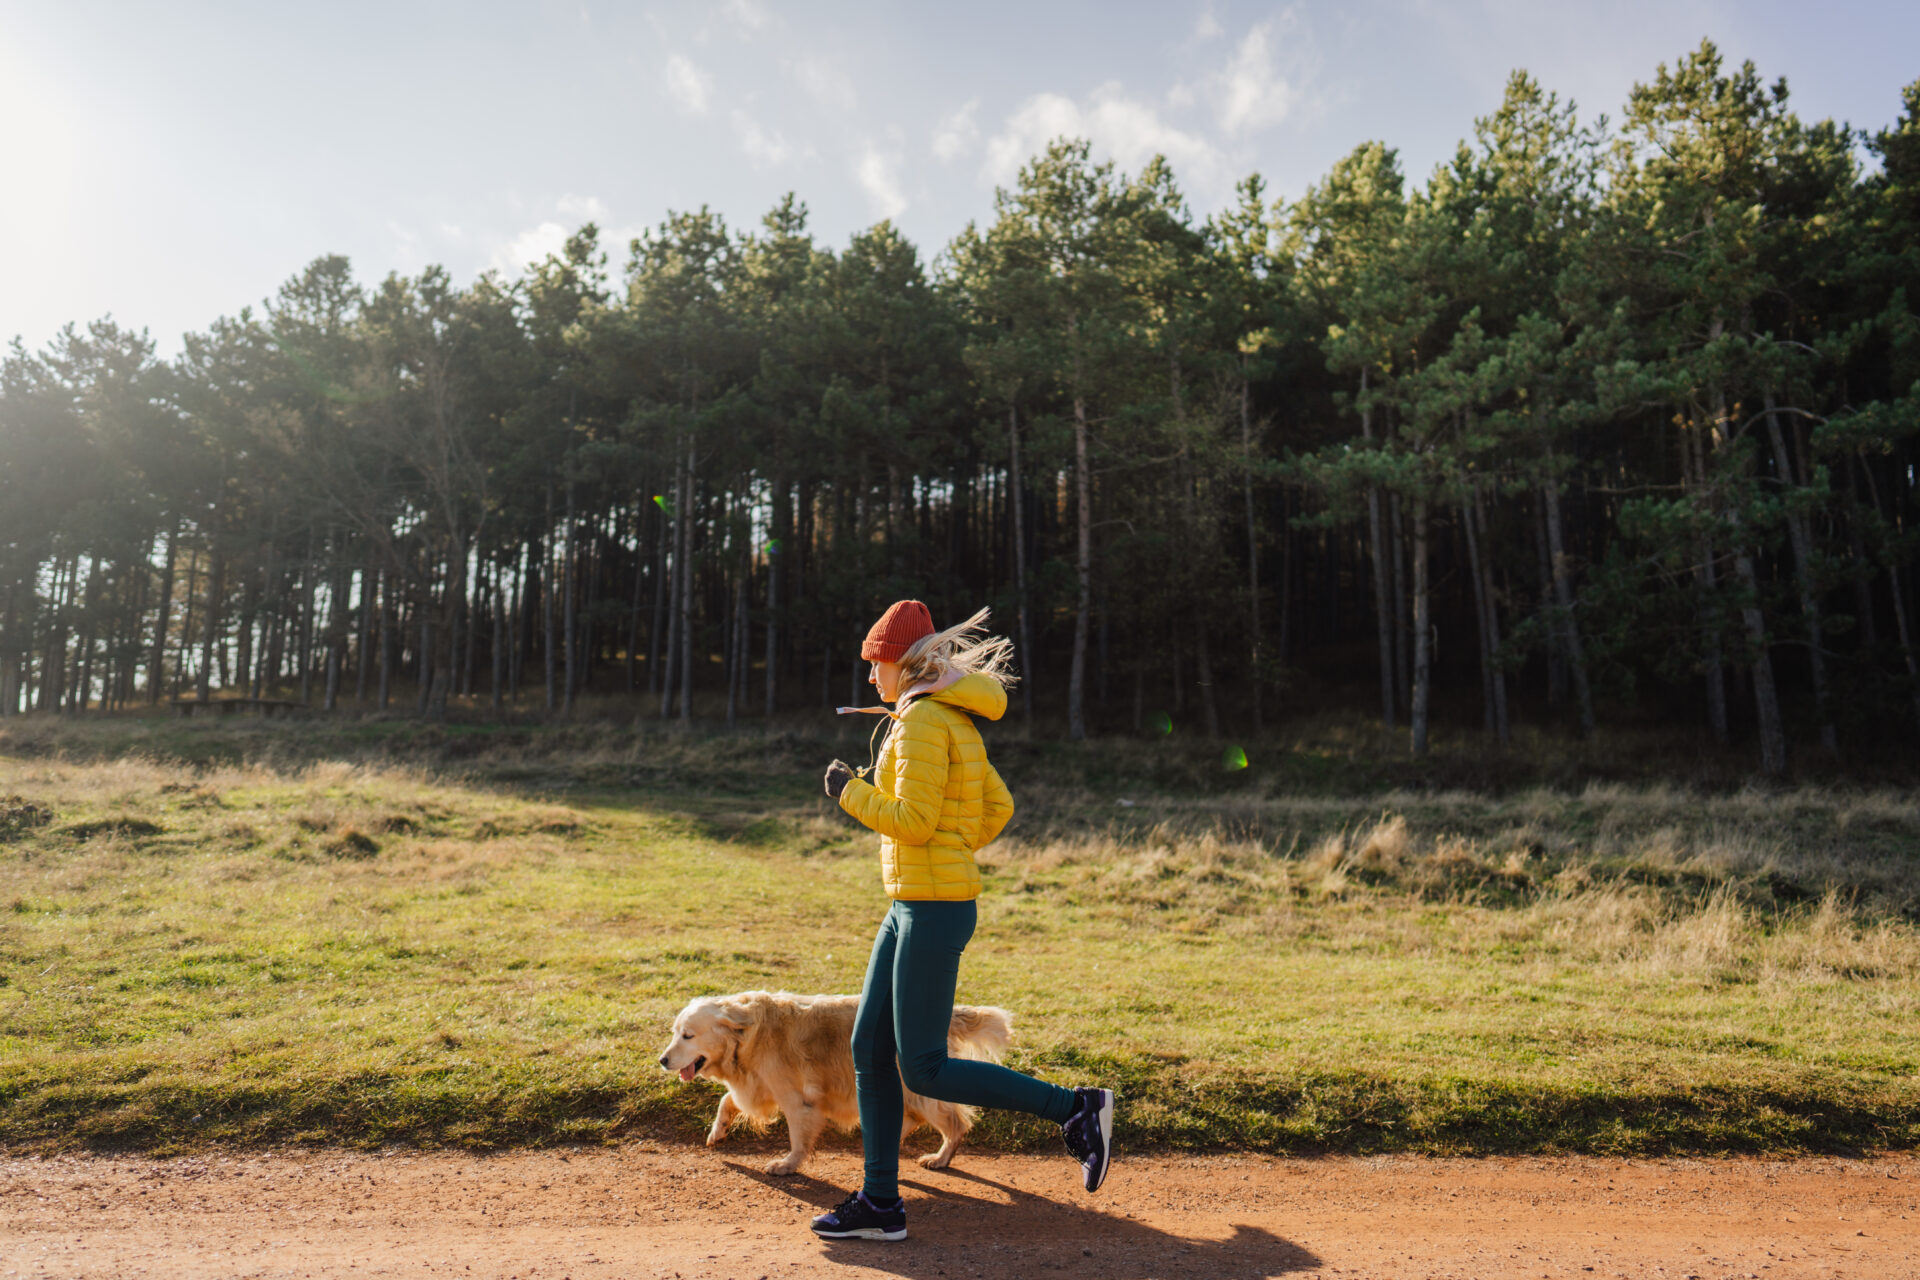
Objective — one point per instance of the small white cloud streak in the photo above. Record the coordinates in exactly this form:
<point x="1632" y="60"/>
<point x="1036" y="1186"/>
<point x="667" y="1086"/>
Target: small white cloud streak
<point x="1249" y="94"/>
<point x="824" y="83"/>
<point x="746" y="16"/>
<point x="535" y="244"/>
<point x="957" y="133"/>
<point x="764" y="149"/>
<point x="879" y="177"/>
<point x="1126" y="129"/>
<point x="688" y="85"/>
<point x="1208" y="27"/>
<point x="583" y="208"/>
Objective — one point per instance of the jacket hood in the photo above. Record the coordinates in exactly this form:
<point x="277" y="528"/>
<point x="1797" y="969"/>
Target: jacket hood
<point x="976" y="695"/>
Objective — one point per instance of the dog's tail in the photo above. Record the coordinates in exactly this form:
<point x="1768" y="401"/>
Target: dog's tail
<point x="979" y="1032"/>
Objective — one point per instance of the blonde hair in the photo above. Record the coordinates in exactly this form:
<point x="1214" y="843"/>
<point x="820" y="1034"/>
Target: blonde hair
<point x="965" y="648"/>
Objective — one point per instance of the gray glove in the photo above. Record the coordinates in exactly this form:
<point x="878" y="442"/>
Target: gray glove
<point x="839" y="774"/>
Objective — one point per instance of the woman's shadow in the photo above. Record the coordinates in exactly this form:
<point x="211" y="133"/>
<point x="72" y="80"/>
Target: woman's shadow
<point x="958" y="1233"/>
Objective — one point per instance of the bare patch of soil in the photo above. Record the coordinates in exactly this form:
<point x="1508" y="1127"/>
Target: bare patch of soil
<point x="657" y="1211"/>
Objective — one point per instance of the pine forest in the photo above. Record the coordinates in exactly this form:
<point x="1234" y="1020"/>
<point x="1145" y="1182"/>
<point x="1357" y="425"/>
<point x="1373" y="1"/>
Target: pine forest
<point x="1606" y="419"/>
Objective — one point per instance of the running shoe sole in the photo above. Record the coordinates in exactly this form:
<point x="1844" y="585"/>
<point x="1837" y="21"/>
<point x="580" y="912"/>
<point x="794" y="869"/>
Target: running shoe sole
<point x="863" y="1233"/>
<point x="1106" y="1140"/>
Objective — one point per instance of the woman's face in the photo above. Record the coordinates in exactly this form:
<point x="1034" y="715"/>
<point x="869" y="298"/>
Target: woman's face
<point x="885" y="676"/>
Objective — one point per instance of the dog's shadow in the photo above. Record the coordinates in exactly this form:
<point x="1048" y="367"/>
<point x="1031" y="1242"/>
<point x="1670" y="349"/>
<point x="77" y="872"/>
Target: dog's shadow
<point x="958" y="1232"/>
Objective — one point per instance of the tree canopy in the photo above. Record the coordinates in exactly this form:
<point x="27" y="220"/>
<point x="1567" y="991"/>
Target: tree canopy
<point x="1601" y="419"/>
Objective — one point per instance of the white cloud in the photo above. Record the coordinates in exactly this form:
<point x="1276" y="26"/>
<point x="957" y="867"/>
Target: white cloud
<point x="746" y="16"/>
<point x="688" y="85"/>
<point x="533" y="245"/>
<point x="764" y="149"/>
<point x="879" y="177"/>
<point x="824" y="82"/>
<point x="956" y="133"/>
<point x="1249" y="94"/>
<point x="583" y="208"/>
<point x="1208" y="27"/>
<point x="1125" y="129"/>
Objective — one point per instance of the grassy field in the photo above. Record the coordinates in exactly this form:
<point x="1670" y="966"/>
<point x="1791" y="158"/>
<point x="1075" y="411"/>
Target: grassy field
<point x="367" y="932"/>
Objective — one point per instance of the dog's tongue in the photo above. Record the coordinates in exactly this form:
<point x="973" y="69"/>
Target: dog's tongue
<point x="687" y="1072"/>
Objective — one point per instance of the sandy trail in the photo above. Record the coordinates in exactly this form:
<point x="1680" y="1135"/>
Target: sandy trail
<point x="648" y="1210"/>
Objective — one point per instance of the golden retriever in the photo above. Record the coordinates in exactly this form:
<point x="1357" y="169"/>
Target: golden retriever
<point x="780" y="1053"/>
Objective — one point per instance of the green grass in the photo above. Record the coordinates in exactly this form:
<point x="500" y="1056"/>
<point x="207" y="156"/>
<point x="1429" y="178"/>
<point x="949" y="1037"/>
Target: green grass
<point x="365" y="932"/>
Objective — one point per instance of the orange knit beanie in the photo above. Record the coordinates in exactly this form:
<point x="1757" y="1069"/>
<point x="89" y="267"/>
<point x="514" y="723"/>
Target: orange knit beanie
<point x="904" y="622"/>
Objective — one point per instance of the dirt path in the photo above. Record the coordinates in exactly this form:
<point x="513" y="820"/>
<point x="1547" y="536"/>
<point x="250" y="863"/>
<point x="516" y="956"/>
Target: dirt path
<point x="652" y="1211"/>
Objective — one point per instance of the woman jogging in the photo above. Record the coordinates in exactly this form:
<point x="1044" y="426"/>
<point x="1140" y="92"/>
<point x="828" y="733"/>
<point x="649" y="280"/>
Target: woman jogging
<point x="934" y="799"/>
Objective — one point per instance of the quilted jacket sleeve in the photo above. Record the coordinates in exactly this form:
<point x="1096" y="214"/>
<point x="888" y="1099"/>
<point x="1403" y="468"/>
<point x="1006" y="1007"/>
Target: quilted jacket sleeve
<point x="996" y="806"/>
<point x="908" y="807"/>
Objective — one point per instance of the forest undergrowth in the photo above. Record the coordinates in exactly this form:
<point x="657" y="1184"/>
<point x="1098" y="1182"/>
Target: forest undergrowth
<point x="369" y="932"/>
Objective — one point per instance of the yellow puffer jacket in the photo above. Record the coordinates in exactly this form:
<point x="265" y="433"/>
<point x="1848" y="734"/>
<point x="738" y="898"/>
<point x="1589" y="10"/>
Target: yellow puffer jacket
<point x="934" y="798"/>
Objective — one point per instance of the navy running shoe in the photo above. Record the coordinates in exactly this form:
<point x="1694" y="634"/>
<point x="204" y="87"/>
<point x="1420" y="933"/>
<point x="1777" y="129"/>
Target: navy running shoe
<point x="1088" y="1134"/>
<point x="858" y="1218"/>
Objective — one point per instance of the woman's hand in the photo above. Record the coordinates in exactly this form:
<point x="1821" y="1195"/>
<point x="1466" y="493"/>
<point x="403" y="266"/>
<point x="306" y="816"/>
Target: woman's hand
<point x="839" y="773"/>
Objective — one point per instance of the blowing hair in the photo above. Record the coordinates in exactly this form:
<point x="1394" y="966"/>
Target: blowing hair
<point x="965" y="649"/>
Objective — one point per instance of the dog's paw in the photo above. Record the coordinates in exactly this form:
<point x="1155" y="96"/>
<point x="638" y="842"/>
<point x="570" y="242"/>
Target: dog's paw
<point x="935" y="1160"/>
<point x="784" y="1168"/>
<point x="715" y="1136"/>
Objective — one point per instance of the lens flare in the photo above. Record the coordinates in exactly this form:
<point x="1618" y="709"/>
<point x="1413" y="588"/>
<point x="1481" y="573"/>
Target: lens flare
<point x="1160" y="722"/>
<point x="1235" y="758"/>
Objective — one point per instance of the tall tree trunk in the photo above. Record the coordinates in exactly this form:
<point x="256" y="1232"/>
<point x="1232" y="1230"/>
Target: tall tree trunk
<point x="549" y="645"/>
<point x="363" y="644"/>
<point x="1766" y="703"/>
<point x="1016" y="501"/>
<point x="423" y="663"/>
<point x="1083" y="568"/>
<point x="737" y="642"/>
<point x="306" y="622"/>
<point x="385" y="587"/>
<point x="1203" y="670"/>
<point x="1422" y="633"/>
<point x="633" y="610"/>
<point x="452" y="602"/>
<point x="568" y="591"/>
<point x="1477" y="521"/>
<point x="1556" y="656"/>
<point x="83" y="676"/>
<point x="686" y="586"/>
<point x="659" y="643"/>
<point x="1402" y="626"/>
<point x="336" y="642"/>
<point x="1801" y="536"/>
<point x="186" y="626"/>
<point x="1569" y="623"/>
<point x="157" y="673"/>
<point x="1253" y="548"/>
<point x="776" y="552"/>
<point x="518" y="626"/>
<point x="1382" y="583"/>
<point x="1489" y="720"/>
<point x="497" y="651"/>
<point x="10" y="656"/>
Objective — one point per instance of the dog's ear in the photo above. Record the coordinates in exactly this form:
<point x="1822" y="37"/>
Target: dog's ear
<point x="734" y="1018"/>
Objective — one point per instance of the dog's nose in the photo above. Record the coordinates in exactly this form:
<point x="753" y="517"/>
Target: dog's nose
<point x="663" y="1060"/>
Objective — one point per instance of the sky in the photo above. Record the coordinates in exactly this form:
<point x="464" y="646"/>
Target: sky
<point x="171" y="163"/>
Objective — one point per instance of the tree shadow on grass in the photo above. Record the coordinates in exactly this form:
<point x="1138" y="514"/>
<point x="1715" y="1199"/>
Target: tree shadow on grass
<point x="957" y="1232"/>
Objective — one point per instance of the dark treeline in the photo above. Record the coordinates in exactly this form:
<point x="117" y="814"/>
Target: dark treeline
<point x="1599" y="418"/>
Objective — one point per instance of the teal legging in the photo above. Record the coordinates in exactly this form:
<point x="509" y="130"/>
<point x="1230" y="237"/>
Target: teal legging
<point x="905" y="1006"/>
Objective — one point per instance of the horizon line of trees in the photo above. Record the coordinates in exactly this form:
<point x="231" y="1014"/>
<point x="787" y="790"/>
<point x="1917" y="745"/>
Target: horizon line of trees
<point x="1622" y="413"/>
